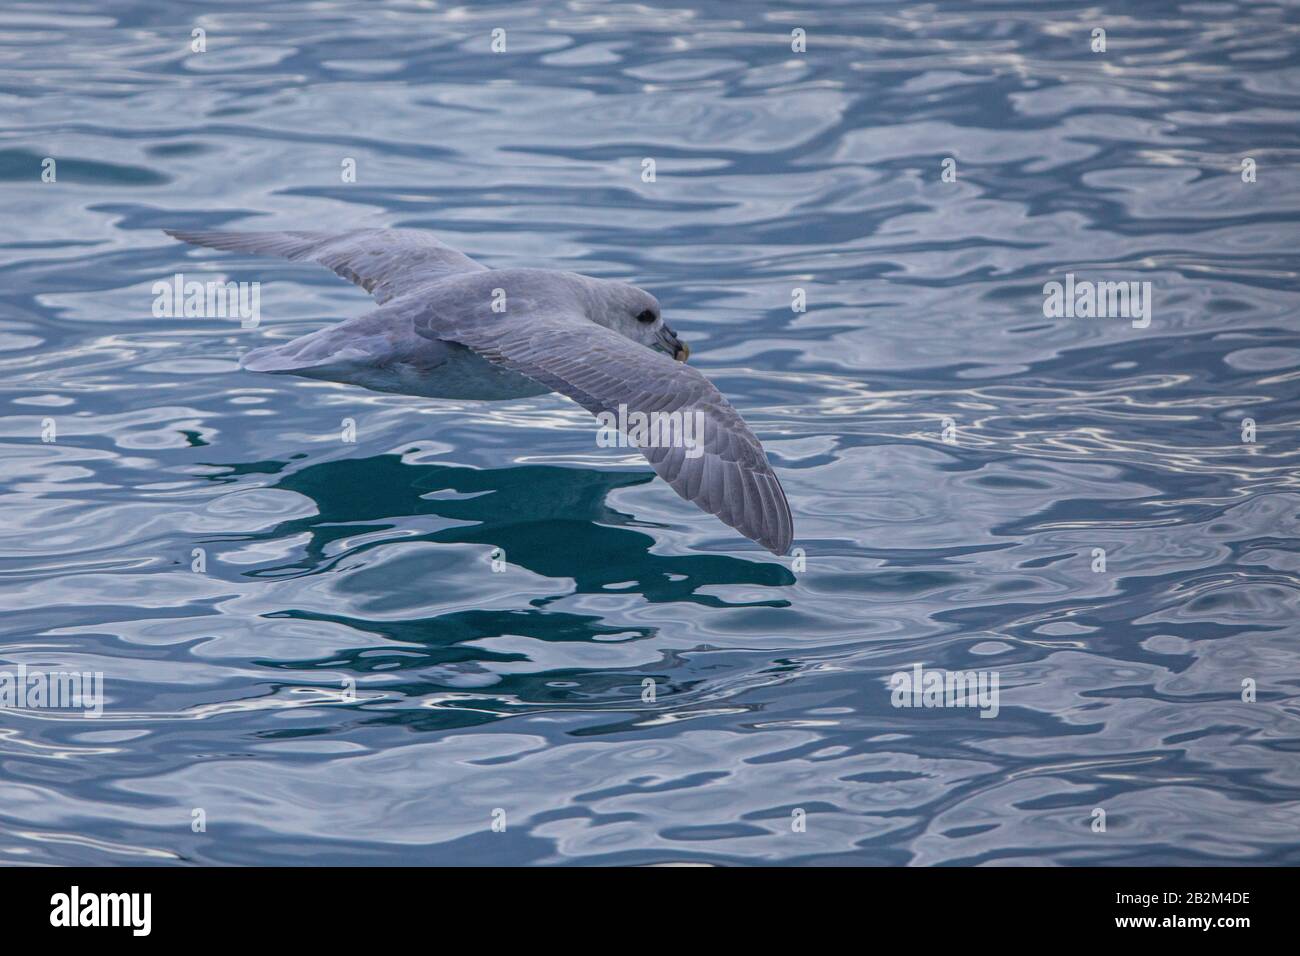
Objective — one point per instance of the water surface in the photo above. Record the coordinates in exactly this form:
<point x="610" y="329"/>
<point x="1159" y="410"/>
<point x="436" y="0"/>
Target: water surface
<point x="368" y="565"/>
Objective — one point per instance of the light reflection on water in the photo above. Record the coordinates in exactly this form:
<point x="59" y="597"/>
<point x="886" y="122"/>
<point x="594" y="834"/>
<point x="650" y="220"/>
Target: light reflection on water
<point x="349" y="681"/>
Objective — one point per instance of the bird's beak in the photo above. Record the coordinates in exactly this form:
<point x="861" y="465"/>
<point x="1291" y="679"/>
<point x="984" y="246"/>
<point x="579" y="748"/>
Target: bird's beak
<point x="671" y="344"/>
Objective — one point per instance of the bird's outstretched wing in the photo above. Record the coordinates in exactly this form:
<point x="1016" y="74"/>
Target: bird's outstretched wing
<point x="385" y="262"/>
<point x="602" y="370"/>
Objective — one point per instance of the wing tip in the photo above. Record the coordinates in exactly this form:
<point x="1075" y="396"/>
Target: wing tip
<point x="780" y="546"/>
<point x="195" y="237"/>
<point x="779" y="539"/>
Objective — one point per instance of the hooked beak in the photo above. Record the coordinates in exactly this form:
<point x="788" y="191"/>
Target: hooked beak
<point x="671" y="344"/>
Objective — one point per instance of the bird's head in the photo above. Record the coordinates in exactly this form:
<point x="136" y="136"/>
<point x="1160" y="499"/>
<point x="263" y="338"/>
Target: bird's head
<point x="635" y="313"/>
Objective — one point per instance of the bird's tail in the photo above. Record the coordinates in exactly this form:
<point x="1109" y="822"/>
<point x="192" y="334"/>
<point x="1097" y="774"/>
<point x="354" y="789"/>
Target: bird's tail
<point x="314" y="352"/>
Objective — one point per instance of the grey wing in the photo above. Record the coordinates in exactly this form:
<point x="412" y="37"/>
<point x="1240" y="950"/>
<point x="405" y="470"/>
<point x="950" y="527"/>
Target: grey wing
<point x="601" y="370"/>
<point x="384" y="262"/>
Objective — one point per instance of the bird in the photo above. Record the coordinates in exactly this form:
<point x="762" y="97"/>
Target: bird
<point x="449" y="327"/>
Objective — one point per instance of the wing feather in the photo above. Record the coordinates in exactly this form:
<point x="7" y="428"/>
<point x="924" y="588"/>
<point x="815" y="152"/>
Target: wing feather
<point x="601" y="370"/>
<point x="385" y="262"/>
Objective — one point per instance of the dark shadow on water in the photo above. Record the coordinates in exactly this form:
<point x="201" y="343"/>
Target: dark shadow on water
<point x="553" y="522"/>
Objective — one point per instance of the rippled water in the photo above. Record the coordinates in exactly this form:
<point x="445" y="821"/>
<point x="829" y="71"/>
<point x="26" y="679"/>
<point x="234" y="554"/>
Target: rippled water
<point x="329" y="563"/>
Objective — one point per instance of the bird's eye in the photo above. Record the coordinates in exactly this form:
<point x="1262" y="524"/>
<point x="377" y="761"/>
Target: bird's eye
<point x="646" y="316"/>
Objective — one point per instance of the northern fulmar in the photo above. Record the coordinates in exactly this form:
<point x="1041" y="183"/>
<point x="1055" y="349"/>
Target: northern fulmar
<point x="449" y="327"/>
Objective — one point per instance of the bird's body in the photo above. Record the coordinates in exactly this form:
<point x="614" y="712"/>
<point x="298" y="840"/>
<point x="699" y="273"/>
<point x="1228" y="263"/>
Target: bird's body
<point x="447" y="327"/>
<point x="380" y="351"/>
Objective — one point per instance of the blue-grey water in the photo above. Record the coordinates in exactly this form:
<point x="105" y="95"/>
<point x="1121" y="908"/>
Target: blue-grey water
<point x="346" y="679"/>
